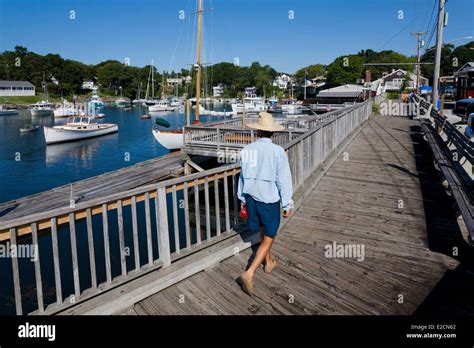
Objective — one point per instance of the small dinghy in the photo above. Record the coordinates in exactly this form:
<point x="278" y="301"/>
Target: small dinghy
<point x="145" y="117"/>
<point x="30" y="128"/>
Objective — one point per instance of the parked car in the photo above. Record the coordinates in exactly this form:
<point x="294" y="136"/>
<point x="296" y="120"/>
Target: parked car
<point x="464" y="107"/>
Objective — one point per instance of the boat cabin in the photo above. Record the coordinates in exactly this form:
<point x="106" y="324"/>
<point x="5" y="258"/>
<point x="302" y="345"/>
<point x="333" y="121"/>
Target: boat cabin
<point x="80" y="121"/>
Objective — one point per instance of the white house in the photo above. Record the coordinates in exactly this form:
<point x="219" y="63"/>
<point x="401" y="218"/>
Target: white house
<point x="173" y="81"/>
<point x="394" y="80"/>
<point x="282" y="81"/>
<point x="217" y="91"/>
<point x="16" y="88"/>
<point x="88" y="85"/>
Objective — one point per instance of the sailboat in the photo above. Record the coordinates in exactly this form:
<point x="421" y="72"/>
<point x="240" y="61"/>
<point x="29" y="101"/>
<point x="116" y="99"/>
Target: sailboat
<point x="150" y="97"/>
<point x="139" y="101"/>
<point x="174" y="139"/>
<point x="122" y="102"/>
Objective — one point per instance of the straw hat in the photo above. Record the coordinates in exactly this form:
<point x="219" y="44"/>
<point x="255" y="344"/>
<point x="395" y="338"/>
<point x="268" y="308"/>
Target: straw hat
<point x="265" y="122"/>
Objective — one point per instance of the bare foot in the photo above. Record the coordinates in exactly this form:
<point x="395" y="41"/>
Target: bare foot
<point x="270" y="266"/>
<point x="247" y="283"/>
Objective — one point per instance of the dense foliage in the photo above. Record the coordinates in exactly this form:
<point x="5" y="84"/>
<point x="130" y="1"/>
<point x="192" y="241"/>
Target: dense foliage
<point x="110" y="75"/>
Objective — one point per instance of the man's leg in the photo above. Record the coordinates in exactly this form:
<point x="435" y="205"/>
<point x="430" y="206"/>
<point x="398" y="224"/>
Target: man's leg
<point x="263" y="253"/>
<point x="267" y="256"/>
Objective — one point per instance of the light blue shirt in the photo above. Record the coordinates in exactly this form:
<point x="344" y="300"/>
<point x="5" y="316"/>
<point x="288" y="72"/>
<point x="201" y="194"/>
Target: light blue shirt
<point x="265" y="174"/>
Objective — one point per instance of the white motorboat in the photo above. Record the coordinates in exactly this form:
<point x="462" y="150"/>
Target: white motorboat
<point x="290" y="106"/>
<point x="176" y="103"/>
<point x="171" y="139"/>
<point x="252" y="103"/>
<point x="161" y="105"/>
<point x="78" y="128"/>
<point x="122" y="102"/>
<point x="42" y="108"/>
<point x="66" y="110"/>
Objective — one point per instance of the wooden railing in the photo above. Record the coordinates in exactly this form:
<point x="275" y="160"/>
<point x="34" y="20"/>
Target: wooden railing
<point x="210" y="141"/>
<point x="102" y="243"/>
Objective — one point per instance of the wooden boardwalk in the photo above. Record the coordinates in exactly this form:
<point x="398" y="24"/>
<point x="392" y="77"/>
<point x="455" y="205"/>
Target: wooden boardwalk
<point x="371" y="196"/>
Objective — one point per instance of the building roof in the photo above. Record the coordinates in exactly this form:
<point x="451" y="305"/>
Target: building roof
<point x="6" y="83"/>
<point x="344" y="91"/>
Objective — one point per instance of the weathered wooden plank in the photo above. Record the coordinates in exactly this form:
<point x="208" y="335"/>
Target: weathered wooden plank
<point x="16" y="275"/>
<point x="75" y="262"/>
<point x="196" y="212"/>
<point x="136" y="247"/>
<point x="39" y="284"/>
<point x="121" y="235"/>
<point x="90" y="243"/>
<point x="207" y="209"/>
<point x="175" y="220"/>
<point x="217" y="206"/>
<point x="186" y="215"/>
<point x="149" y="240"/>
<point x="105" y="232"/>
<point x="57" y="267"/>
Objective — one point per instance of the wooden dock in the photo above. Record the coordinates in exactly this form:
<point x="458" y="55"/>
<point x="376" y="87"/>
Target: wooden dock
<point x="363" y="183"/>
<point x="371" y="196"/>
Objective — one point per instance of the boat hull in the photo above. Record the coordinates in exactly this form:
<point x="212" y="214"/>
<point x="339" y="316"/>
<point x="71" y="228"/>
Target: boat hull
<point x="239" y="108"/>
<point x="172" y="140"/>
<point x="8" y="112"/>
<point x="41" y="112"/>
<point x="55" y="135"/>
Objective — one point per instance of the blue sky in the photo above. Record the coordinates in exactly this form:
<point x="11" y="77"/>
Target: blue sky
<point x="250" y="30"/>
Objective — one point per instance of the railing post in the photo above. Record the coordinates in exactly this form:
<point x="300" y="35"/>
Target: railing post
<point x="163" y="235"/>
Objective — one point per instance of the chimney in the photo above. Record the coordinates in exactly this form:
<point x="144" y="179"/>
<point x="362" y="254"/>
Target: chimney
<point x="368" y="76"/>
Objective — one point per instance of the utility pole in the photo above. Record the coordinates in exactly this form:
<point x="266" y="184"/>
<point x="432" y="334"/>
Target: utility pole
<point x="439" y="43"/>
<point x="419" y="34"/>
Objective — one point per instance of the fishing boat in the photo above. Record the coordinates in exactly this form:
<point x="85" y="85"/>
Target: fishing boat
<point x="78" y="128"/>
<point x="145" y="117"/>
<point x="252" y="102"/>
<point x="290" y="106"/>
<point x="174" y="139"/>
<point x="42" y="108"/>
<point x="30" y="128"/>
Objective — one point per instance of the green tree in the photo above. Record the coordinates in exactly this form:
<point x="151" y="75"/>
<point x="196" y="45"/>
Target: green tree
<point x="312" y="71"/>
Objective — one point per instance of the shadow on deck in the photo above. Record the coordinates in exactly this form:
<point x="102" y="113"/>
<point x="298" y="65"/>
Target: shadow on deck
<point x="382" y="194"/>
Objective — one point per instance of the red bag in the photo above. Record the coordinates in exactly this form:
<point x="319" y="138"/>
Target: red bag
<point x="243" y="212"/>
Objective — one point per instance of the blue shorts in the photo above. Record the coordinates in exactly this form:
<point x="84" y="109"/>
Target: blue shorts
<point x="266" y="215"/>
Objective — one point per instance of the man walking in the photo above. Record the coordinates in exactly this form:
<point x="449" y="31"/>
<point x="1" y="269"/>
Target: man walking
<point x="265" y="187"/>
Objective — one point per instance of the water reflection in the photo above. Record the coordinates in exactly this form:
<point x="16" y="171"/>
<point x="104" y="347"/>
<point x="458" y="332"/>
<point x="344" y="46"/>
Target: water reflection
<point x="79" y="153"/>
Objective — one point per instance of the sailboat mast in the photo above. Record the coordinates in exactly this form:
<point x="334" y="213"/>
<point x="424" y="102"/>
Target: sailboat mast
<point x="152" y="80"/>
<point x="198" y="77"/>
